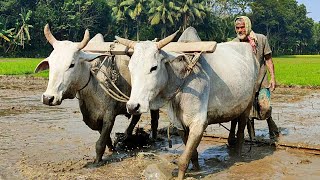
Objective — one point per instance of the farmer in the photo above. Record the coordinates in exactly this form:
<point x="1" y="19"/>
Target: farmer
<point x="261" y="108"/>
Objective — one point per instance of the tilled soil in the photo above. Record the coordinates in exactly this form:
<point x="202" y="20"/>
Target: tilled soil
<point x="42" y="142"/>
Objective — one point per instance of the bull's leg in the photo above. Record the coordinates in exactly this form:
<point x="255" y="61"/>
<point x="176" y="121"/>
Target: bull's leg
<point x="250" y="127"/>
<point x="104" y="139"/>
<point x="154" y="122"/>
<point x="194" y="159"/>
<point x="240" y="133"/>
<point x="193" y="140"/>
<point x="134" y="120"/>
<point x="232" y="134"/>
<point x="184" y="135"/>
<point x="273" y="128"/>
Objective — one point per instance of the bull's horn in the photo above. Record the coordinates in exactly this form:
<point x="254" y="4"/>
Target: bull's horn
<point x="166" y="40"/>
<point x="47" y="33"/>
<point x="85" y="40"/>
<point x="126" y="42"/>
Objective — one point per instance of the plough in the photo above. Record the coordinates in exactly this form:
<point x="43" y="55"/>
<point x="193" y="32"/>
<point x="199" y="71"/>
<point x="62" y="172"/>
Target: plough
<point x="312" y="149"/>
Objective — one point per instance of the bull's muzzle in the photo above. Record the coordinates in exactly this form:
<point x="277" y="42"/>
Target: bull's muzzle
<point x="47" y="99"/>
<point x="133" y="108"/>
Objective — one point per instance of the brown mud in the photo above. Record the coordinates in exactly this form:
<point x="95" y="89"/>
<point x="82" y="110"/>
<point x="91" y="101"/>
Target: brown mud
<point x="42" y="142"/>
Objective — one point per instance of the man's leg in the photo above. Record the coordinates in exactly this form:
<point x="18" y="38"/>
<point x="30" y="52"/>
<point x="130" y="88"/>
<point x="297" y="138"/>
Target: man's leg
<point x="273" y="128"/>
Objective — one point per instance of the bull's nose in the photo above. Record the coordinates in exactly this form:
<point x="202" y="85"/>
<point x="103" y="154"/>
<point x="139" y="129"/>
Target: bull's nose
<point x="133" y="108"/>
<point x="47" y="99"/>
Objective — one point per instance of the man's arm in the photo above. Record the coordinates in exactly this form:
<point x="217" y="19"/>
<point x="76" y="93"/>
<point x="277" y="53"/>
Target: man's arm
<point x="270" y="66"/>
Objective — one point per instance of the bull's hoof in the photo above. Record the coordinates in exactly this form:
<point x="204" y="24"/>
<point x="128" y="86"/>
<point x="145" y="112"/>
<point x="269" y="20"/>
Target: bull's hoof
<point x="274" y="135"/>
<point x="111" y="150"/>
<point x="94" y="164"/>
<point x="97" y="161"/>
<point x="130" y="142"/>
<point x="156" y="139"/>
<point x="232" y="142"/>
<point x="196" y="167"/>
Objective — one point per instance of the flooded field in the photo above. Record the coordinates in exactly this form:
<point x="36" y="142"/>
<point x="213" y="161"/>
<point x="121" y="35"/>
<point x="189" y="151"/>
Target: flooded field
<point x="42" y="142"/>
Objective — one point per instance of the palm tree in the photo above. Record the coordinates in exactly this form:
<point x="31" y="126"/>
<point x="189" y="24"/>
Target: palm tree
<point x="120" y="14"/>
<point x="132" y="8"/>
<point x="192" y="12"/>
<point x="163" y="12"/>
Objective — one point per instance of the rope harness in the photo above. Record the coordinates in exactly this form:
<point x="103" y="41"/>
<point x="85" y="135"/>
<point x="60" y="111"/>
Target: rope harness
<point x="111" y="75"/>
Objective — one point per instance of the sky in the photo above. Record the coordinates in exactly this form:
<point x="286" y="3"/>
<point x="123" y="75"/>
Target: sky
<point x="313" y="7"/>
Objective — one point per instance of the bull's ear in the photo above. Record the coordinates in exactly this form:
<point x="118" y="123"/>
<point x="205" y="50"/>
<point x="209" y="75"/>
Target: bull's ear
<point x="87" y="56"/>
<point x="43" y="65"/>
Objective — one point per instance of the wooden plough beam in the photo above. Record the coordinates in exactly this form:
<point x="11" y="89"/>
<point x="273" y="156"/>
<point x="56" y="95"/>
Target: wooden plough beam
<point x="312" y="149"/>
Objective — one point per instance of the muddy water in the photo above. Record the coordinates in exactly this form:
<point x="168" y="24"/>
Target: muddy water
<point x="41" y="142"/>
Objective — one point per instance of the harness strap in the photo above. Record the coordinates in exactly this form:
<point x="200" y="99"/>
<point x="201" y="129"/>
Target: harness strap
<point x="194" y="61"/>
<point x="87" y="82"/>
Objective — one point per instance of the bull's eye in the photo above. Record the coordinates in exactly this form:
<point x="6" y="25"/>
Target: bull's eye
<point x="71" y="65"/>
<point x="153" y="68"/>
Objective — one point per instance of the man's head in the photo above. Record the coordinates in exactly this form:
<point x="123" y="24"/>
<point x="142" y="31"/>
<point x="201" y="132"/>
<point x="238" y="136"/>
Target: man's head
<point x="242" y="27"/>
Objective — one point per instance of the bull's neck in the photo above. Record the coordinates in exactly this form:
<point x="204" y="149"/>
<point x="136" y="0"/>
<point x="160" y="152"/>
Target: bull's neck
<point x="86" y="89"/>
<point x="176" y="78"/>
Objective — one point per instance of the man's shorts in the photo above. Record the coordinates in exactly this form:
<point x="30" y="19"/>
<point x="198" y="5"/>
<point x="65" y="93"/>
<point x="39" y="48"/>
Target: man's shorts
<point x="262" y="105"/>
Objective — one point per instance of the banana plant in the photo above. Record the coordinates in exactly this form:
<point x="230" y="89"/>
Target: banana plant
<point x="7" y="34"/>
<point x="23" y="34"/>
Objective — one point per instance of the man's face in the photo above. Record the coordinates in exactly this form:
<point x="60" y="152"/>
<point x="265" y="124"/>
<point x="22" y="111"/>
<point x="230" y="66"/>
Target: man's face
<point x="241" y="30"/>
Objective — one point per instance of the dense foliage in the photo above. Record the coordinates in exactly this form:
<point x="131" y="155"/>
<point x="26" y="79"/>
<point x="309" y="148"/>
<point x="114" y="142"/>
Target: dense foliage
<point x="285" y="22"/>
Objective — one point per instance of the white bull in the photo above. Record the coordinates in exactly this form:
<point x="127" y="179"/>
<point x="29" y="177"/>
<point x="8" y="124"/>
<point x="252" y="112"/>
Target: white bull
<point x="70" y="76"/>
<point x="220" y="89"/>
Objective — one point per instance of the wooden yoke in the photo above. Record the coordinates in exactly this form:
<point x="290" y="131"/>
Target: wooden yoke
<point x="182" y="47"/>
<point x="190" y="47"/>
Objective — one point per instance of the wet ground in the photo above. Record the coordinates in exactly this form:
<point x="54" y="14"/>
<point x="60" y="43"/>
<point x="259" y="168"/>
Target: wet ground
<point x="42" y="142"/>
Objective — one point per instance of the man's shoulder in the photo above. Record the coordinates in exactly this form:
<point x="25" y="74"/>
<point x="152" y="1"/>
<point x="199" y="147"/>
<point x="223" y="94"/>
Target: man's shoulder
<point x="236" y="39"/>
<point x="260" y="36"/>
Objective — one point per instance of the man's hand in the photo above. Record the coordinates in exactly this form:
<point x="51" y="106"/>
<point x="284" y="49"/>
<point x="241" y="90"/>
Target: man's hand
<point x="270" y="66"/>
<point x="272" y="85"/>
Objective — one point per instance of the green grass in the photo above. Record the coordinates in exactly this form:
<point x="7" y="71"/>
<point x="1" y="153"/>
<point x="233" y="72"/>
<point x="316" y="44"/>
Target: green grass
<point x="301" y="70"/>
<point x="21" y="66"/>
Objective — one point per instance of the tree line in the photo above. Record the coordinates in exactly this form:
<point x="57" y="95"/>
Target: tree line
<point x="284" y="22"/>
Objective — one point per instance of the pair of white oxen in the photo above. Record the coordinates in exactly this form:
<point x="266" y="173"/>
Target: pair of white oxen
<point x="221" y="89"/>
